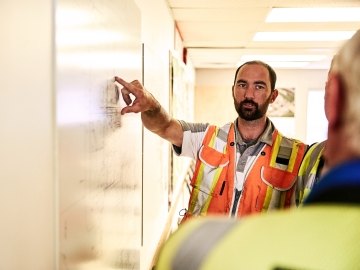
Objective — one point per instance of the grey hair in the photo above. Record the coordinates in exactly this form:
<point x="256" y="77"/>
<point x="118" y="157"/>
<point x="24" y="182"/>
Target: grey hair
<point x="347" y="65"/>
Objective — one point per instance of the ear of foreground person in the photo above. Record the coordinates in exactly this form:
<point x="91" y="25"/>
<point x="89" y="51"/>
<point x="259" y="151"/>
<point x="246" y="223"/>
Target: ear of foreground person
<point x="320" y="235"/>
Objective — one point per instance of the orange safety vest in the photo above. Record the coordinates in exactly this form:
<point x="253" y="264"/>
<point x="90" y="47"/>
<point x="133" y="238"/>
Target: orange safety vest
<point x="268" y="185"/>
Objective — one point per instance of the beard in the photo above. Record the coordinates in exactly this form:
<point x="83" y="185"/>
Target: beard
<point x="254" y="112"/>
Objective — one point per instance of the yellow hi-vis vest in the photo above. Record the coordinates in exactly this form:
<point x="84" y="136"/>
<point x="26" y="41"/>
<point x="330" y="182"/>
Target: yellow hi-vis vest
<point x="323" y="236"/>
<point x="309" y="170"/>
<point x="268" y="185"/>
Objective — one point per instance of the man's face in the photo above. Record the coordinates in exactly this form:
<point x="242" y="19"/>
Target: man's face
<point x="252" y="92"/>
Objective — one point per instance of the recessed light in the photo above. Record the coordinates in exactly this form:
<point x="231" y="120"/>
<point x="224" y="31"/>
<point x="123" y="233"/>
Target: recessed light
<point x="335" y="14"/>
<point x="304" y="36"/>
<point x="283" y="57"/>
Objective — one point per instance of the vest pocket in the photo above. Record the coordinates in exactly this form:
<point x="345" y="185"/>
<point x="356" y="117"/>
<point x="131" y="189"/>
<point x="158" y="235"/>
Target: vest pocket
<point x="209" y="178"/>
<point x="213" y="158"/>
<point x="277" y="179"/>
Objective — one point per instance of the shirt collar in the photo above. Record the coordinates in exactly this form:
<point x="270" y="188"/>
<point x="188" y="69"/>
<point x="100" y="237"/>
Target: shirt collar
<point x="265" y="137"/>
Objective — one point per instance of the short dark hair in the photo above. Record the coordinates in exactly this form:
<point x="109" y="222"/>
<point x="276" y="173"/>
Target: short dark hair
<point x="271" y="71"/>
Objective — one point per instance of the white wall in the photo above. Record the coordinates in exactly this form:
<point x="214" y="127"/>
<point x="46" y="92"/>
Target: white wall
<point x="158" y="39"/>
<point x="214" y="103"/>
<point x="303" y="81"/>
<point x="27" y="170"/>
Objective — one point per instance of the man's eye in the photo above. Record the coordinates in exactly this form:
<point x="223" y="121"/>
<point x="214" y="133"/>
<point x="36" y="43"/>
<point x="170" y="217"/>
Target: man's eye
<point x="259" y="87"/>
<point x="242" y="85"/>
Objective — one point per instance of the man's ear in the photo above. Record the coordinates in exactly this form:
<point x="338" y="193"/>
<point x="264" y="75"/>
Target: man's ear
<point x="335" y="100"/>
<point x="274" y="95"/>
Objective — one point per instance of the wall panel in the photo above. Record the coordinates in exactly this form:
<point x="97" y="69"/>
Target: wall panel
<point x="99" y="151"/>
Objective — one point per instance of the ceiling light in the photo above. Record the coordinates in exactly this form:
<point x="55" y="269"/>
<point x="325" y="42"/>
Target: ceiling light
<point x="338" y="14"/>
<point x="283" y="57"/>
<point x="276" y="64"/>
<point x="304" y="36"/>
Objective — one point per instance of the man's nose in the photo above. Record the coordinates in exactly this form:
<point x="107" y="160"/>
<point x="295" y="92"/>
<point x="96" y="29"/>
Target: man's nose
<point x="249" y="92"/>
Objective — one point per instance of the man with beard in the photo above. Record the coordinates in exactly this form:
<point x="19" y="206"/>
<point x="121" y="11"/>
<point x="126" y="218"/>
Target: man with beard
<point x="324" y="233"/>
<point x="244" y="167"/>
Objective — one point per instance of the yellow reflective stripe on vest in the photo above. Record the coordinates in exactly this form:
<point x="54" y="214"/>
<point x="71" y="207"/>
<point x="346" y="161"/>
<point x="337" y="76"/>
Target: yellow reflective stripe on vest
<point x="199" y="169"/>
<point x="274" y="199"/>
<point x="215" y="179"/>
<point x="267" y="200"/>
<point x="276" y="147"/>
<point x="200" y="243"/>
<point x="281" y="142"/>
<point x="216" y="174"/>
<point x="310" y="159"/>
<point x="293" y="156"/>
<point x="316" y="165"/>
<point x="308" y="169"/>
<point x="202" y="194"/>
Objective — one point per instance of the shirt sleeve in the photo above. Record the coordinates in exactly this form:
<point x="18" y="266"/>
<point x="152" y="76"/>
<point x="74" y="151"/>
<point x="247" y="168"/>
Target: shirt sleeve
<point x="192" y="140"/>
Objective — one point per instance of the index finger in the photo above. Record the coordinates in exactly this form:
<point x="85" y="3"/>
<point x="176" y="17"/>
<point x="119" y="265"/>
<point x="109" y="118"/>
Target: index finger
<point x="129" y="86"/>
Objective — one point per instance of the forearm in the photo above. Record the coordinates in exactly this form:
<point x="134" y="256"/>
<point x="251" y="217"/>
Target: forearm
<point x="158" y="121"/>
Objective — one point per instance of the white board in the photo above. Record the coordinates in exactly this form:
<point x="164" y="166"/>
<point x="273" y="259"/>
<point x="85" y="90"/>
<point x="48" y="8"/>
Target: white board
<point x="99" y="151"/>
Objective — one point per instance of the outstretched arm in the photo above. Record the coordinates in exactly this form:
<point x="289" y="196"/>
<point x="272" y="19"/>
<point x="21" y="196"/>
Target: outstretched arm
<point x="153" y="115"/>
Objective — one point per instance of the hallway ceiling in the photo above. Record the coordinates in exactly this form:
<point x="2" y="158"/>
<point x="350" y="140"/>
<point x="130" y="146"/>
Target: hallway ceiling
<point x="217" y="33"/>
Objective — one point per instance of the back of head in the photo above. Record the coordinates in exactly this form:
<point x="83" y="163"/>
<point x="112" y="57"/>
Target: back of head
<point x="347" y="65"/>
